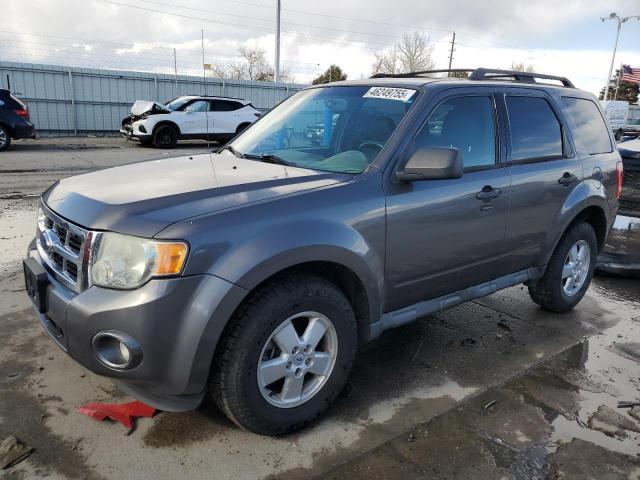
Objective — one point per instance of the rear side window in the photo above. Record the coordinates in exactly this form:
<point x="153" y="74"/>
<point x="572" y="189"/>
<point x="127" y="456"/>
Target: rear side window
<point x="535" y="129"/>
<point x="226" y="106"/>
<point x="465" y="123"/>
<point x="590" y="128"/>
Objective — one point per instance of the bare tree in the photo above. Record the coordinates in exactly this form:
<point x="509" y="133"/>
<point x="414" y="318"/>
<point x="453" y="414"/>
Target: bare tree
<point x="415" y="52"/>
<point x="412" y="53"/>
<point x="521" y="67"/>
<point x="252" y="64"/>
<point x="254" y="60"/>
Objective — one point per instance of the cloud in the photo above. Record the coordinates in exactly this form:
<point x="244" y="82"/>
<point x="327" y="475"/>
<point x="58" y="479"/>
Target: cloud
<point x="557" y="37"/>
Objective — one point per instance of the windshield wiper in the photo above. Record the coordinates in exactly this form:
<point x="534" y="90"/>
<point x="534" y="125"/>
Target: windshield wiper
<point x="232" y="150"/>
<point x="270" y="158"/>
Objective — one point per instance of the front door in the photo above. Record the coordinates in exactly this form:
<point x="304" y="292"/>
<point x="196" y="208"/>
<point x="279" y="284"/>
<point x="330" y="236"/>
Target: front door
<point x="197" y="119"/>
<point x="446" y="235"/>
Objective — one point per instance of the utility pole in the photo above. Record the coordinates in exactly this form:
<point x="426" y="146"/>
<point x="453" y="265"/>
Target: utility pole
<point x="615" y="95"/>
<point x="453" y="44"/>
<point x="175" y="69"/>
<point x="620" y="20"/>
<point x="276" y="77"/>
<point x="204" y="72"/>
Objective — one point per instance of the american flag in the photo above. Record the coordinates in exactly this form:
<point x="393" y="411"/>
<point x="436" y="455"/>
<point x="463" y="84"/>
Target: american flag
<point x="631" y="75"/>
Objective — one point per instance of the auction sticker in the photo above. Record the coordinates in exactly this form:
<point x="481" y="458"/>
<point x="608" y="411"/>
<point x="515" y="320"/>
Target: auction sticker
<point x="390" y="93"/>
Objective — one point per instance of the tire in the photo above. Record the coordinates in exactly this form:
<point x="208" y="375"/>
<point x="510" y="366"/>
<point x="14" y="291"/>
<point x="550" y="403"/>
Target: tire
<point x="618" y="135"/>
<point x="234" y="383"/>
<point x="555" y="293"/>
<point x="5" y="138"/>
<point x="242" y="127"/>
<point x="165" y="136"/>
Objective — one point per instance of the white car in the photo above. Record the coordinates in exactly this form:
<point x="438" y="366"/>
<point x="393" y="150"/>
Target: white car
<point x="189" y="117"/>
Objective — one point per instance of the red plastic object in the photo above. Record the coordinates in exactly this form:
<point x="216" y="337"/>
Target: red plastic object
<point x="122" y="412"/>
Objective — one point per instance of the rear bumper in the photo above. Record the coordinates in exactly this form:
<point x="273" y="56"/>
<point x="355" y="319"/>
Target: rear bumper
<point x="24" y="130"/>
<point x="177" y="322"/>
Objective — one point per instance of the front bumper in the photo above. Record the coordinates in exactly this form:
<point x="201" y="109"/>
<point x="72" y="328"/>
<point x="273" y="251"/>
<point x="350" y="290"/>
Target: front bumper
<point x="131" y="134"/>
<point x="177" y="322"/>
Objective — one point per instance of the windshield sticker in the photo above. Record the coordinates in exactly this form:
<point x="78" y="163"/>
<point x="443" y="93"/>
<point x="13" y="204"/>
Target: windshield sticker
<point x="402" y="94"/>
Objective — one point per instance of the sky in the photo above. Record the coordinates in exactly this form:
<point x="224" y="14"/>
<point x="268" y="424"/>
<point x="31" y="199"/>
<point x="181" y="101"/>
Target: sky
<point x="560" y="37"/>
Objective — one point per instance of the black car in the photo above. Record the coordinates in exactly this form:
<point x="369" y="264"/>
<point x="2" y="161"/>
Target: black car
<point x="630" y="199"/>
<point x="14" y="120"/>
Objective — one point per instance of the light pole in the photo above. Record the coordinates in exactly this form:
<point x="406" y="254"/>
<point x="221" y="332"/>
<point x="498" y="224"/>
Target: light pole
<point x="276" y="76"/>
<point x="620" y="20"/>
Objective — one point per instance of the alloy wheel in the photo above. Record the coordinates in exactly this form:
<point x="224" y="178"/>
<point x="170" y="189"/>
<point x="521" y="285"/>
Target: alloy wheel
<point x="576" y="267"/>
<point x="297" y="359"/>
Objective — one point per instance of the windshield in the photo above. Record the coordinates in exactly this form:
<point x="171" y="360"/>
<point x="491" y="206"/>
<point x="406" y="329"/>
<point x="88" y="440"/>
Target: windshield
<point x="336" y="129"/>
<point x="176" y="103"/>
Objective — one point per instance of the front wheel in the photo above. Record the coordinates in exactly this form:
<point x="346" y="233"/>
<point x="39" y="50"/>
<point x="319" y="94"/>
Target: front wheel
<point x="569" y="272"/>
<point x="165" y="136"/>
<point x="286" y="356"/>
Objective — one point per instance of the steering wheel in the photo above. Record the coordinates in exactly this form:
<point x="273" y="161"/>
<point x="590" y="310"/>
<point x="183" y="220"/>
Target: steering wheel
<point x="372" y="147"/>
<point x="369" y="144"/>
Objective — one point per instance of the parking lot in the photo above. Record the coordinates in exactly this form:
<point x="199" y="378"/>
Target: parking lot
<point x="495" y="388"/>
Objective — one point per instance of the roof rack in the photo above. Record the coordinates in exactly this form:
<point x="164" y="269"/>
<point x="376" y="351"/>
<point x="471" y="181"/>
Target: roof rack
<point x="485" y="74"/>
<point x="419" y="73"/>
<point x="524" y="77"/>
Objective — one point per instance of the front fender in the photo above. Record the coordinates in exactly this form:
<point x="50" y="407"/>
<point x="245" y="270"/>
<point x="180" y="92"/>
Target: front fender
<point x="286" y="245"/>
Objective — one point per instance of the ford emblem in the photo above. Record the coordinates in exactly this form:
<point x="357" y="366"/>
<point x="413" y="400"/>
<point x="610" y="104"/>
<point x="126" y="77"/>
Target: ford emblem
<point x="48" y="239"/>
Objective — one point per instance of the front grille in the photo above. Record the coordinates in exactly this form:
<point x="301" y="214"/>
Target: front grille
<point x="632" y="179"/>
<point x="629" y="206"/>
<point x="64" y="249"/>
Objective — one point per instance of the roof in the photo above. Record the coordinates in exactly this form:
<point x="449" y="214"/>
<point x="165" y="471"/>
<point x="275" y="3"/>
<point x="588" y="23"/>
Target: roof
<point x="215" y="97"/>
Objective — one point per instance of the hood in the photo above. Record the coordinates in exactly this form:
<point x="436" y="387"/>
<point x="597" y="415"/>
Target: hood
<point x="141" y="107"/>
<point x="144" y="198"/>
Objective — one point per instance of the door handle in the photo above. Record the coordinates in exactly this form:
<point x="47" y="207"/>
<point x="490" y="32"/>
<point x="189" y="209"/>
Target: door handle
<point x="488" y="193"/>
<point x="567" y="179"/>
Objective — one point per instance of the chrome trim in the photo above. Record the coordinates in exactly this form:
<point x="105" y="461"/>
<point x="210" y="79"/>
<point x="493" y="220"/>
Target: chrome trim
<point x="61" y="247"/>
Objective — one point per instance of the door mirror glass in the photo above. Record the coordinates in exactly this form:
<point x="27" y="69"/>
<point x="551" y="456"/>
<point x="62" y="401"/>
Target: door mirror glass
<point x="432" y="163"/>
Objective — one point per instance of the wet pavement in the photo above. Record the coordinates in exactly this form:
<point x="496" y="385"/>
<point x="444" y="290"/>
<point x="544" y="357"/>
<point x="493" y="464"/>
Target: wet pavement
<point x="495" y="388"/>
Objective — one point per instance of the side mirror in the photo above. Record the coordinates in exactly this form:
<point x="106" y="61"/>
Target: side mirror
<point x="432" y="163"/>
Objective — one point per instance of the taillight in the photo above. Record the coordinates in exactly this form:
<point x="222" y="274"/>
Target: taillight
<point x="620" y="176"/>
<point x="22" y="112"/>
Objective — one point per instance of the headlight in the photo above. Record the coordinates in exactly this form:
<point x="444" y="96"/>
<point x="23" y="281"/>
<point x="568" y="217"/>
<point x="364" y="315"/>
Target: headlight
<point x="124" y="261"/>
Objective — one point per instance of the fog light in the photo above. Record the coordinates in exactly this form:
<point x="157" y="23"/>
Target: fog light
<point x="117" y="350"/>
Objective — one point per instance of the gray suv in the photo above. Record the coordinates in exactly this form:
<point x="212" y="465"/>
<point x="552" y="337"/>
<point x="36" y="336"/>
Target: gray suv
<point x="251" y="275"/>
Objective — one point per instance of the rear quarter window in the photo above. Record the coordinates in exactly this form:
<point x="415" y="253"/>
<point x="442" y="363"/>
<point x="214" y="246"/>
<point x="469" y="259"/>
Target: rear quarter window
<point x="590" y="129"/>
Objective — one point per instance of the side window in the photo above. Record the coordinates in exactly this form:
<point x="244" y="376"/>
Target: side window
<point x="198" y="106"/>
<point x="535" y="129"/>
<point x="226" y="106"/>
<point x="466" y="123"/>
<point x="590" y="128"/>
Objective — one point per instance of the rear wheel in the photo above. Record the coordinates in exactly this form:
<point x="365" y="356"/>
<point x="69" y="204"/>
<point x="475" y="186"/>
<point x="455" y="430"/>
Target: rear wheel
<point x="165" y="136"/>
<point x="5" y="138"/>
<point x="286" y="356"/>
<point x="569" y="272"/>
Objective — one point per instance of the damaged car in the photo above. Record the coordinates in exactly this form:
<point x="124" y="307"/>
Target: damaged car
<point x="186" y="118"/>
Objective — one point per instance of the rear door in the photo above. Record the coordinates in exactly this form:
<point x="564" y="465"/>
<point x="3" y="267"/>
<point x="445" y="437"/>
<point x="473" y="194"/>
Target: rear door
<point x="446" y="235"/>
<point x="544" y="172"/>
<point x="227" y="116"/>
